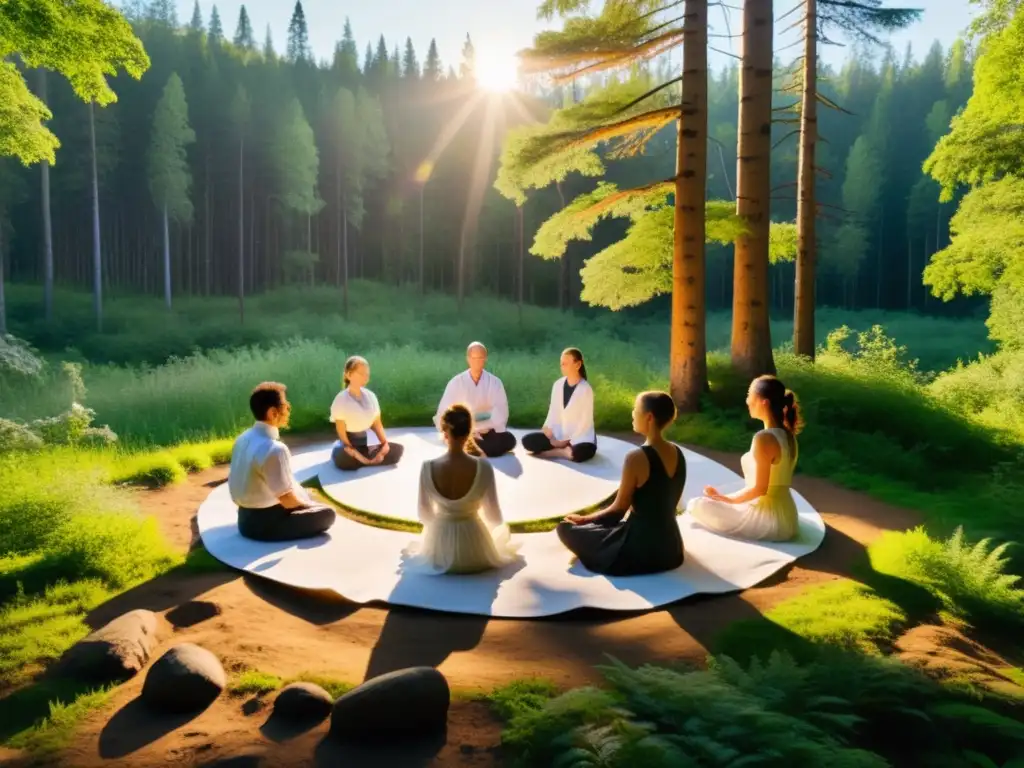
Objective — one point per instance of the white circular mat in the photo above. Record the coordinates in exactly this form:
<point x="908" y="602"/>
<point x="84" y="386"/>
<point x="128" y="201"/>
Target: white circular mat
<point x="364" y="564"/>
<point x="529" y="488"/>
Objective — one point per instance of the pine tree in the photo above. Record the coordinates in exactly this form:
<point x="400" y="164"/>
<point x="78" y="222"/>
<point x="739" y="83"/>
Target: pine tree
<point x="244" y="38"/>
<point x="268" y="46"/>
<point x="296" y="160"/>
<point x="298" y="36"/>
<point x="97" y="252"/>
<point x="216" y="32"/>
<point x="410" y="66"/>
<point x="196" y="24"/>
<point x="860" y="20"/>
<point x="368" y="61"/>
<point x="163" y="12"/>
<point x="395" y="64"/>
<point x="467" y="69"/>
<point x="432" y="66"/>
<point x="751" y="332"/>
<point x="346" y="57"/>
<point x="634" y="269"/>
<point x="169" y="175"/>
<point x="240" y="115"/>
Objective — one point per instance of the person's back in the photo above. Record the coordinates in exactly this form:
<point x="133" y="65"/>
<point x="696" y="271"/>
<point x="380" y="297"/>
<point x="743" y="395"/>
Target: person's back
<point x="652" y="539"/>
<point x="463" y="529"/>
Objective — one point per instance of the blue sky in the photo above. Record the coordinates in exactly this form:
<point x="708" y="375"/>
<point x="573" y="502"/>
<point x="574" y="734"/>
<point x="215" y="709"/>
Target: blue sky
<point x="504" y="26"/>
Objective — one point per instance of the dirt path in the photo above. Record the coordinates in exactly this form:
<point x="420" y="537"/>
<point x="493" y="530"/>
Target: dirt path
<point x="249" y="622"/>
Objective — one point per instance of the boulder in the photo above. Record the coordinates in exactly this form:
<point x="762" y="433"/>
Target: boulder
<point x="185" y="679"/>
<point x="406" y="703"/>
<point x="303" y="701"/>
<point x="116" y="651"/>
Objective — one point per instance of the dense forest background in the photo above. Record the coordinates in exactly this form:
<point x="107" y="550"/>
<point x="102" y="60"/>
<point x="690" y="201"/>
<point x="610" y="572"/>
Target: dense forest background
<point x="274" y="166"/>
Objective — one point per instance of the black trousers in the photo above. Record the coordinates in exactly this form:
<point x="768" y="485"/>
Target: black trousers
<point x="279" y="524"/>
<point x="538" y="442"/>
<point x="358" y="440"/>
<point x="493" y="443"/>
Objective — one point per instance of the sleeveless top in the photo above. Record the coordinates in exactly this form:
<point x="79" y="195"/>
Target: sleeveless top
<point x="651" y="541"/>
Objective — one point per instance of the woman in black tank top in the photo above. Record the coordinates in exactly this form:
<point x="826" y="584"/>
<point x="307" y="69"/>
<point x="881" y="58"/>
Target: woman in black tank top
<point x="648" y="540"/>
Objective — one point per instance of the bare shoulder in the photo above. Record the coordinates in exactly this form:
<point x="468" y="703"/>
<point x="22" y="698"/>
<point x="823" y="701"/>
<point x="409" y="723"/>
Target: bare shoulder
<point x="636" y="458"/>
<point x="766" y="443"/>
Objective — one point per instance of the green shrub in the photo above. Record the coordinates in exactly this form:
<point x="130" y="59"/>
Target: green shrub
<point x="253" y="682"/>
<point x="971" y="580"/>
<point x="845" y="709"/>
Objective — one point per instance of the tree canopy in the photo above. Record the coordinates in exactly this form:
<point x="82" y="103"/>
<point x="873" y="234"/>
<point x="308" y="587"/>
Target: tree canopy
<point x="84" y="40"/>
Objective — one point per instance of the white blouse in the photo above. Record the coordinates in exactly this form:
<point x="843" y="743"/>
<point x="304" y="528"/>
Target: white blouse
<point x="573" y="422"/>
<point x="485" y="398"/>
<point x="358" y="415"/>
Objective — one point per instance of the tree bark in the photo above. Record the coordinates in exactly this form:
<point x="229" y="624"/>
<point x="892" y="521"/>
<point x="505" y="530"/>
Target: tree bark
<point x="47" y="221"/>
<point x="522" y="262"/>
<point x="751" y="332"/>
<point x="806" y="206"/>
<point x="344" y="262"/>
<point x="910" y="266"/>
<point x="563" y="267"/>
<point x="208" y="245"/>
<point x="167" y="261"/>
<point x="423" y="289"/>
<point x="688" y="373"/>
<point x="241" y="230"/>
<point x="97" y="259"/>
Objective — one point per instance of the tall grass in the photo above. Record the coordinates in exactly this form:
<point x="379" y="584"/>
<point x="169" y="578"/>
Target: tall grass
<point x="139" y="330"/>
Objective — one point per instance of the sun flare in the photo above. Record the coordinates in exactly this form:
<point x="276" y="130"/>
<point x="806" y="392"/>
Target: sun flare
<point x="496" y="72"/>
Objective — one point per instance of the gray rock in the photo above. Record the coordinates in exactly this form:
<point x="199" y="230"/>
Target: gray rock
<point x="303" y="701"/>
<point x="405" y="703"/>
<point x="116" y="651"/>
<point x="185" y="679"/>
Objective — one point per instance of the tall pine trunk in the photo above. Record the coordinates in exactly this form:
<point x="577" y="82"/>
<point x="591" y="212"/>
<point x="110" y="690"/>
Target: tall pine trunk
<point x="344" y="261"/>
<point x="47" y="222"/>
<point x="241" y="230"/>
<point x="208" y="245"/>
<point x="688" y="372"/>
<point x="563" y="267"/>
<point x="751" y="332"/>
<point x="423" y="288"/>
<point x="806" y="206"/>
<point x="167" y="261"/>
<point x="522" y="261"/>
<point x="97" y="259"/>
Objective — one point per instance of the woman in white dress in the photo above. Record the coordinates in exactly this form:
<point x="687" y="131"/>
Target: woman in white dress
<point x="568" y="431"/>
<point x="355" y="411"/>
<point x="764" y="510"/>
<point x="463" y="529"/>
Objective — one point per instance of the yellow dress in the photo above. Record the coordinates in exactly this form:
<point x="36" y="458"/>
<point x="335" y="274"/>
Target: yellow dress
<point x="772" y="517"/>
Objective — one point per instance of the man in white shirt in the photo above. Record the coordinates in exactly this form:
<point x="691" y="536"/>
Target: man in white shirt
<point x="272" y="506"/>
<point x="484" y="394"/>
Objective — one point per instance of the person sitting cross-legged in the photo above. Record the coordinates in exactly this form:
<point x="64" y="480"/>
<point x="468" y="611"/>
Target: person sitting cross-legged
<point x="568" y="431"/>
<point x="272" y="506"/>
<point x="355" y="411"/>
<point x="484" y="394"/>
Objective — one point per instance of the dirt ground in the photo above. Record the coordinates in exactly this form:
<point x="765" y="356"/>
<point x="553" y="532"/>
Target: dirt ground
<point x="251" y="623"/>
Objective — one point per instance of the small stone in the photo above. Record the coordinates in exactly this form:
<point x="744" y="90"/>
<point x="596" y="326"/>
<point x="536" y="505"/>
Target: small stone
<point x="185" y="679"/>
<point x="303" y="701"/>
<point x="405" y="703"/>
<point x="193" y="612"/>
<point x="116" y="651"/>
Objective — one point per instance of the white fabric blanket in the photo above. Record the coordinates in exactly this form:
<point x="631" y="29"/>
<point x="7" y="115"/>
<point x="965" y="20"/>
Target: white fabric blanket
<point x="364" y="564"/>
